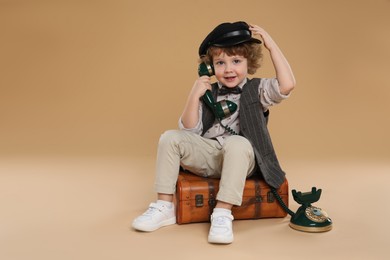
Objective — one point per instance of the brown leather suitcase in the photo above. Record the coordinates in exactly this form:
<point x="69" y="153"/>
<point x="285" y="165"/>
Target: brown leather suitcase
<point x="195" y="199"/>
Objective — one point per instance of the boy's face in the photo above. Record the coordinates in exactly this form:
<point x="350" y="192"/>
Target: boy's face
<point x="230" y="70"/>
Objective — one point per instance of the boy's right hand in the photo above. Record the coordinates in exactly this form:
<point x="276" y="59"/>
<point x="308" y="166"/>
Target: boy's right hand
<point x="200" y="86"/>
<point x="190" y="116"/>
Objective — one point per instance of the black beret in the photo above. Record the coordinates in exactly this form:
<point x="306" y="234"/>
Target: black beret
<point x="227" y="34"/>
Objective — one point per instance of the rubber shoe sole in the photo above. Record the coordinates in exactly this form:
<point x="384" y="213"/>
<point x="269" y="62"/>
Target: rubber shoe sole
<point x="150" y="228"/>
<point x="221" y="239"/>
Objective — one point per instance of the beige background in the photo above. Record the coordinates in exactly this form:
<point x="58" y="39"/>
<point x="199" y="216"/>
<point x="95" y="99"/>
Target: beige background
<point x="87" y="87"/>
<point x="108" y="77"/>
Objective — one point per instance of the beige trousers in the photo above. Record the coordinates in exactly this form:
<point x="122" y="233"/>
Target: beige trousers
<point x="232" y="162"/>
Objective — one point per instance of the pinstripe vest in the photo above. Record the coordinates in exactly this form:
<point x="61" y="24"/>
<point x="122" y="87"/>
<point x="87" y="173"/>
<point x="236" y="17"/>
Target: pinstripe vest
<point x="253" y="126"/>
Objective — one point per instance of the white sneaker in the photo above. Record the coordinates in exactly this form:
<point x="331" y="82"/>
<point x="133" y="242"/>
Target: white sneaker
<point x="156" y="216"/>
<point x="221" y="230"/>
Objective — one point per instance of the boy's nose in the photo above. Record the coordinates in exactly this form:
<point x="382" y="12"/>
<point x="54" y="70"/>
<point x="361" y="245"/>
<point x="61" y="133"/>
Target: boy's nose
<point x="228" y="68"/>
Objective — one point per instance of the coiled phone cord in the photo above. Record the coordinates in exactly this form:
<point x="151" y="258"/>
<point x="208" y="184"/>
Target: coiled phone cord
<point x="228" y="129"/>
<point x="281" y="202"/>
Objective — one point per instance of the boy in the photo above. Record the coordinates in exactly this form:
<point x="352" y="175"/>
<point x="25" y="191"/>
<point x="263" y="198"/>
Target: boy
<point x="204" y="147"/>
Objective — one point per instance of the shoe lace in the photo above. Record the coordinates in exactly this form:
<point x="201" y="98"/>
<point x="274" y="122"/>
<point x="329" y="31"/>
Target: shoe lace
<point x="153" y="208"/>
<point x="221" y="220"/>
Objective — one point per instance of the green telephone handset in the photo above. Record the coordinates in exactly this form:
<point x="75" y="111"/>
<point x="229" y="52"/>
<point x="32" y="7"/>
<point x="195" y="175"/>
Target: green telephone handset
<point x="220" y="109"/>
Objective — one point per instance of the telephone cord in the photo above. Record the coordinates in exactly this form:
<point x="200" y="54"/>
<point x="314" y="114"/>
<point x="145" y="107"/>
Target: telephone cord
<point x="228" y="129"/>
<point x="281" y="202"/>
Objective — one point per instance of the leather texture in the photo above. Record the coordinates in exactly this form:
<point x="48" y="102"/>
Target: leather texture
<point x="195" y="199"/>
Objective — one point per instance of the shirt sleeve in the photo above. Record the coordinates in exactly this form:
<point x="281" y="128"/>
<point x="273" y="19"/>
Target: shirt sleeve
<point x="199" y="126"/>
<point x="270" y="93"/>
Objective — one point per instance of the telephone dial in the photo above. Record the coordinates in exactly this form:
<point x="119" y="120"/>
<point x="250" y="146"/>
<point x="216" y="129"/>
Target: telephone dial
<point x="307" y="218"/>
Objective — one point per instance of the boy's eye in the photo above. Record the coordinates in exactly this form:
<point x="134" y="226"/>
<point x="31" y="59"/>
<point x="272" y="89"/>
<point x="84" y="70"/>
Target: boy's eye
<point x="219" y="62"/>
<point x="237" y="61"/>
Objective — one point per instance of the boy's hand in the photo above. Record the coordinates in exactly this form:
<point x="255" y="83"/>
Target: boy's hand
<point x="190" y="116"/>
<point x="267" y="40"/>
<point x="283" y="70"/>
<point x="200" y="86"/>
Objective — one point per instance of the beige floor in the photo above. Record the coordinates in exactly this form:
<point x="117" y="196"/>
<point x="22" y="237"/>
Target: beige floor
<point x="81" y="208"/>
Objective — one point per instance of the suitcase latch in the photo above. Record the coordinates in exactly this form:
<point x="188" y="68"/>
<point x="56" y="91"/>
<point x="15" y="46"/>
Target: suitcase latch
<point x="259" y="199"/>
<point x="270" y="197"/>
<point x="199" y="200"/>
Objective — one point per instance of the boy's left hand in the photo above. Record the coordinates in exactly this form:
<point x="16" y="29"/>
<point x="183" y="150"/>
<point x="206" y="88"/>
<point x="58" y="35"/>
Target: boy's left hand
<point x="283" y="70"/>
<point x="267" y="40"/>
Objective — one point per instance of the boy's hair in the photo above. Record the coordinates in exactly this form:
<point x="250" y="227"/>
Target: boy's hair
<point x="251" y="51"/>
